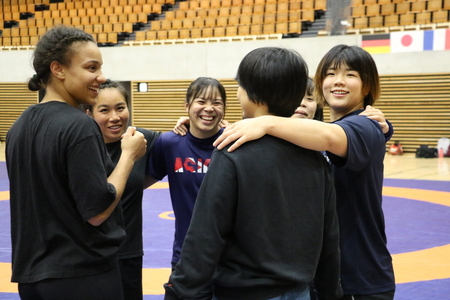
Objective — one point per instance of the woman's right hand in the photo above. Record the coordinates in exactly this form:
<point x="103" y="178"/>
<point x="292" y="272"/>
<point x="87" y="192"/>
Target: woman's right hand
<point x="133" y="143"/>
<point x="242" y="132"/>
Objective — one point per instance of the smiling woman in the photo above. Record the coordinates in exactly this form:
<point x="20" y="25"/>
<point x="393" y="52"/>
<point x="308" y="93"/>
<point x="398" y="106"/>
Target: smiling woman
<point x="112" y="115"/>
<point x="185" y="159"/>
<point x="52" y="150"/>
<point x="205" y="105"/>
<point x="110" y="111"/>
<point x="347" y="81"/>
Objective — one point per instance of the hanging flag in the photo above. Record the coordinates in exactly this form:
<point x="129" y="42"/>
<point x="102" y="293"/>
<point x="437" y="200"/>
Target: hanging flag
<point x="438" y="39"/>
<point x="407" y="41"/>
<point x="428" y="40"/>
<point x="376" y="43"/>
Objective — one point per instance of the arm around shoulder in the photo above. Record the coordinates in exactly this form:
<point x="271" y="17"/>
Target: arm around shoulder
<point x="310" y="134"/>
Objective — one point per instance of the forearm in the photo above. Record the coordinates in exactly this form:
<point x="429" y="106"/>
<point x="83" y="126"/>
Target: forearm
<point x="119" y="176"/>
<point x="309" y="134"/>
<point x="118" y="179"/>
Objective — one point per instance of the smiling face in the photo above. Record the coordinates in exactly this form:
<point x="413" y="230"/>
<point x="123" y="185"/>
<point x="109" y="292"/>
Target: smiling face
<point x="343" y="90"/>
<point x="111" y="113"/>
<point x="307" y="108"/>
<point x="205" y="113"/>
<point x="346" y="80"/>
<point x="83" y="75"/>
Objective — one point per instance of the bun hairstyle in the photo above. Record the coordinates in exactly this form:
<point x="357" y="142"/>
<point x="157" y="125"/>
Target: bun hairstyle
<point x="55" y="45"/>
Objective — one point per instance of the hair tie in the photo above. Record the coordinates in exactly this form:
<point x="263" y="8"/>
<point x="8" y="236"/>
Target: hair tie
<point x="35" y="77"/>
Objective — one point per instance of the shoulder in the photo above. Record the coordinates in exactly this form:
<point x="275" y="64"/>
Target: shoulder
<point x="357" y="123"/>
<point x="64" y="113"/>
<point x="68" y="121"/>
<point x="262" y="146"/>
<point x="149" y="134"/>
<point x="168" y="139"/>
<point x="171" y="136"/>
<point x="86" y="124"/>
<point x="355" y="118"/>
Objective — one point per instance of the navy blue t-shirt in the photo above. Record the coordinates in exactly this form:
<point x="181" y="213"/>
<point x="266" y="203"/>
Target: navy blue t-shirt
<point x="185" y="160"/>
<point x="365" y="260"/>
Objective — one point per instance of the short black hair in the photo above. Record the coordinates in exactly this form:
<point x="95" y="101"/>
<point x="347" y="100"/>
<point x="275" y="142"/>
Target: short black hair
<point x="274" y="76"/>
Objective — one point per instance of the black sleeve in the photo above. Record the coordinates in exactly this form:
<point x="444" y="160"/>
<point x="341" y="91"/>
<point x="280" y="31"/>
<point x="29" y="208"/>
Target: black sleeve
<point x="327" y="280"/>
<point x="388" y="135"/>
<point x="212" y="221"/>
<point x="170" y="293"/>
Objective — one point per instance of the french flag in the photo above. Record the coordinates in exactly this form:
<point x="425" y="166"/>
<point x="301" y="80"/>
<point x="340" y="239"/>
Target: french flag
<point x="438" y="39"/>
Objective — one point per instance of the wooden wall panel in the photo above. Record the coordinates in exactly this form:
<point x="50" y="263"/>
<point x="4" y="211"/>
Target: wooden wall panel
<point x="14" y="99"/>
<point x="418" y="106"/>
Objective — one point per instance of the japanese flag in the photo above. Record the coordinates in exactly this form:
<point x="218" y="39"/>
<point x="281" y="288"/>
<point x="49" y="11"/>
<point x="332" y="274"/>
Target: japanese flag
<point x="406" y="41"/>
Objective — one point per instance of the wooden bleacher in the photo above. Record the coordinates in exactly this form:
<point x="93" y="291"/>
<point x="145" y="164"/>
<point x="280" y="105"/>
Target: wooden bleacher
<point x="375" y="16"/>
<point x="106" y="20"/>
<point x="234" y="18"/>
<point x="110" y="20"/>
<point x="196" y="19"/>
<point x="418" y="106"/>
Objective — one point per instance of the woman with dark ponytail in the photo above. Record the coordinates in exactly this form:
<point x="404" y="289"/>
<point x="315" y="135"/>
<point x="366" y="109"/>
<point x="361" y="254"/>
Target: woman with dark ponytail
<point x="66" y="226"/>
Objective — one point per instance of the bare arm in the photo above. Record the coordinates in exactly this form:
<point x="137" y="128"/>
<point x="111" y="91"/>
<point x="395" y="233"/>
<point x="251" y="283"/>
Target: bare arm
<point x="133" y="148"/>
<point x="309" y="134"/>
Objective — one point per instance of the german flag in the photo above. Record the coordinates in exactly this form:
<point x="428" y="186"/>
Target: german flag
<point x="376" y="43"/>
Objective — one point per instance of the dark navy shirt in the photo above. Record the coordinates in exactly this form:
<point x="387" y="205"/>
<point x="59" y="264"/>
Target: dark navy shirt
<point x="366" y="265"/>
<point x="185" y="160"/>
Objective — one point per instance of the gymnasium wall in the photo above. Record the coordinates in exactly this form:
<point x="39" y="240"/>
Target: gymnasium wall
<point x="415" y="86"/>
<point x="220" y="59"/>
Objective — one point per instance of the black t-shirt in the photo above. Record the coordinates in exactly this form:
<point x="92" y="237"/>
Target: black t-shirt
<point x="264" y="223"/>
<point x="58" y="167"/>
<point x="131" y="201"/>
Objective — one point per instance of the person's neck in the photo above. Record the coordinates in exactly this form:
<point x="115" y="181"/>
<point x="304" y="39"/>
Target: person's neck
<point x="52" y="94"/>
<point x="203" y="134"/>
<point x="261" y="110"/>
<point x="336" y="114"/>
